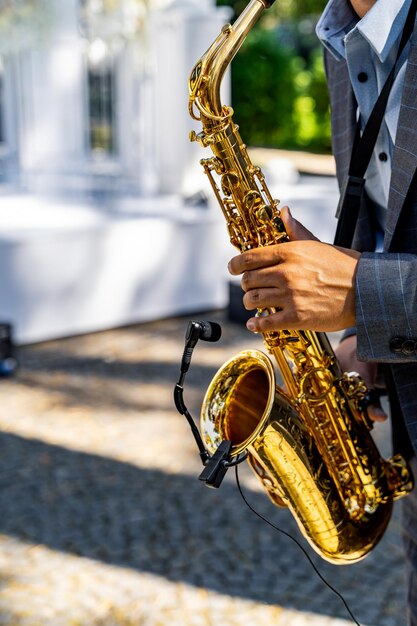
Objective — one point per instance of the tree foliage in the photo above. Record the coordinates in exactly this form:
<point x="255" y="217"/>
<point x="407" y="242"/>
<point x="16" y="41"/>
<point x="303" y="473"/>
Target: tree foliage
<point x="278" y="85"/>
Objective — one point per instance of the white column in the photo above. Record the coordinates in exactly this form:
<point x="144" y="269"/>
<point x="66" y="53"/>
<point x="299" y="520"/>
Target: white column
<point x="180" y="35"/>
<point x="52" y="75"/>
<point x="135" y="95"/>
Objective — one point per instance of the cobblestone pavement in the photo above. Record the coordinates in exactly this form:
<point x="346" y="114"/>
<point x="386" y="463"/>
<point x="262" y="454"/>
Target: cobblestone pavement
<point x="104" y="523"/>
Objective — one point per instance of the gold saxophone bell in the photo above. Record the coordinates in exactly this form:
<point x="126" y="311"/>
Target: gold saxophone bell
<point x="243" y="405"/>
<point x="310" y="446"/>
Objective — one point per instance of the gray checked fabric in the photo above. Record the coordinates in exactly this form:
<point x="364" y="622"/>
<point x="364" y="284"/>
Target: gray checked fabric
<point x="386" y="324"/>
<point x="386" y="284"/>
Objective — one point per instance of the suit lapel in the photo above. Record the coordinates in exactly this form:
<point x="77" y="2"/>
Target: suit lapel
<point x="343" y="112"/>
<point x="405" y="153"/>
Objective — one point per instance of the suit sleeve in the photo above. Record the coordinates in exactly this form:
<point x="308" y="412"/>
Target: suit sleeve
<point x="386" y="307"/>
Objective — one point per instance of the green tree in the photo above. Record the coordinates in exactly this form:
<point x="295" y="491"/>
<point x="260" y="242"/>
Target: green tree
<point x="278" y="84"/>
<point x="264" y="90"/>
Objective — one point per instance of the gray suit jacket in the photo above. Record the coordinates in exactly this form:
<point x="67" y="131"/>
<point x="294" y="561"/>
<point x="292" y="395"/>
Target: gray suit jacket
<point x="386" y="284"/>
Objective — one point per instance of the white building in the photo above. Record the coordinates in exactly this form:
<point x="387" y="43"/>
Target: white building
<point x="101" y="220"/>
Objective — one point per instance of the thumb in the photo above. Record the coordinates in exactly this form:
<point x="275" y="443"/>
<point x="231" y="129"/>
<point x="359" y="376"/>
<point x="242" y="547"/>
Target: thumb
<point x="375" y="410"/>
<point x="295" y="230"/>
<point x="377" y="413"/>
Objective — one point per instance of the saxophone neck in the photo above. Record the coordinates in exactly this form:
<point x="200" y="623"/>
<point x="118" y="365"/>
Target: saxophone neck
<point x="206" y="76"/>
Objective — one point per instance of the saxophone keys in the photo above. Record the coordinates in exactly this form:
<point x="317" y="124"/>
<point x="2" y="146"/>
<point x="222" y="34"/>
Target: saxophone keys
<point x="200" y="138"/>
<point x="264" y="214"/>
<point x="400" y="477"/>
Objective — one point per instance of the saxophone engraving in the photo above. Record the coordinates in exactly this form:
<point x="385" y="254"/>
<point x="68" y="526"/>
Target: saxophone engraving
<point x="310" y="445"/>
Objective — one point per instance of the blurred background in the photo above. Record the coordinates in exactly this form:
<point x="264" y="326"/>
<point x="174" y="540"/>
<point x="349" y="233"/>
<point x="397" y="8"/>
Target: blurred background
<point x="110" y="241"/>
<point x="95" y="162"/>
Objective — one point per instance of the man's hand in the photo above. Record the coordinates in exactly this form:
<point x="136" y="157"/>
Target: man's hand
<point x="310" y="283"/>
<point x="346" y="355"/>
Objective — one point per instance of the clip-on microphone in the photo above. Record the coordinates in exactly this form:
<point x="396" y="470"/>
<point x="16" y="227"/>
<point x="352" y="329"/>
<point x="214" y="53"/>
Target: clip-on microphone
<point x="216" y="465"/>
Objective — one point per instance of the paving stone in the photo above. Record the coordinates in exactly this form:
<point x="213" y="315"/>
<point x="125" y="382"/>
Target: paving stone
<point x="104" y="521"/>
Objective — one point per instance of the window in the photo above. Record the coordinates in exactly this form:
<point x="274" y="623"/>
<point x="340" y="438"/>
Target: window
<point x="2" y="132"/>
<point x="101" y="98"/>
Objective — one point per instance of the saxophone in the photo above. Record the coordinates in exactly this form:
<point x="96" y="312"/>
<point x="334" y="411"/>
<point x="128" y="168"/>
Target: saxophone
<point x="309" y="443"/>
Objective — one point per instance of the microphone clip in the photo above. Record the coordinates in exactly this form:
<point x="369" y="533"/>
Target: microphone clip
<point x="218" y="464"/>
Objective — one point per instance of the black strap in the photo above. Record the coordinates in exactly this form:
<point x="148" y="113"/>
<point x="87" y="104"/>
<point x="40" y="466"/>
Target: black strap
<point x="363" y="146"/>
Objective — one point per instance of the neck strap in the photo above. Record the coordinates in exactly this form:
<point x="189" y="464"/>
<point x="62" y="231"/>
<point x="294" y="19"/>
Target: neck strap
<point x="363" y="146"/>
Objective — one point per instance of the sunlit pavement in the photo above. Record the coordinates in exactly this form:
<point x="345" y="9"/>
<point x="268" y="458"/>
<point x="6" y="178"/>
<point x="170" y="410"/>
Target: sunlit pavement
<point x="104" y="521"/>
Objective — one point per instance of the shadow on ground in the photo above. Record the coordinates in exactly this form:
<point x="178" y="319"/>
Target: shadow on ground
<point x="172" y="526"/>
<point x="154" y="520"/>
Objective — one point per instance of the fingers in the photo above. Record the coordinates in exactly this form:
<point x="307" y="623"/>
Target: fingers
<point x="271" y="255"/>
<point x="295" y="230"/>
<point x="267" y="256"/>
<point x="265" y="288"/>
<point x="262" y="298"/>
<point x="269" y="322"/>
<point x="377" y="413"/>
<point x="262" y="278"/>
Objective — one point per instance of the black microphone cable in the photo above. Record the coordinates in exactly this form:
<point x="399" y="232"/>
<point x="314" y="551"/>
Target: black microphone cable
<point x="211" y="331"/>
<point x="300" y="546"/>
